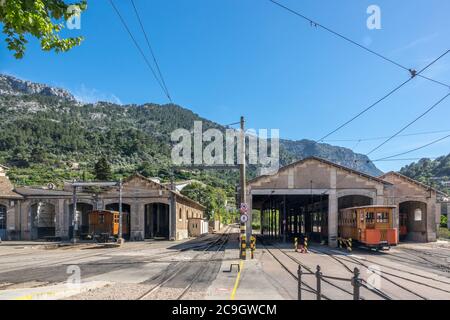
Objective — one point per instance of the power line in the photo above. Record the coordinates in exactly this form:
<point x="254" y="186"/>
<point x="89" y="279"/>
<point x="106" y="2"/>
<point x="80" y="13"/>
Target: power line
<point x="385" y="137"/>
<point x="410" y="159"/>
<point x="415" y="74"/>
<point x="409" y="124"/>
<point x="365" y="110"/>
<point x="150" y="48"/>
<point x="139" y="49"/>
<point x="415" y="149"/>
<point x="317" y="24"/>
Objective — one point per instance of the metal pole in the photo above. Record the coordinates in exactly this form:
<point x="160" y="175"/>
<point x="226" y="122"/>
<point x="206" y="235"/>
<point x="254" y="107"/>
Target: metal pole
<point x="74" y="218"/>
<point x="284" y="219"/>
<point x="299" y="282"/>
<point x="120" y="209"/>
<point x="356" y="284"/>
<point x="242" y="182"/>
<point x="319" y="287"/>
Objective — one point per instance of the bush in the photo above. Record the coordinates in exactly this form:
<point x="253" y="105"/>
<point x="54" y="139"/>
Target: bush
<point x="444" y="220"/>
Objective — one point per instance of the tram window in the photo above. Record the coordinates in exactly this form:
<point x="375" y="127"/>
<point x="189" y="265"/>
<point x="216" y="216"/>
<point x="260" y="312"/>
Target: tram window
<point x="101" y="218"/>
<point x="370" y="217"/>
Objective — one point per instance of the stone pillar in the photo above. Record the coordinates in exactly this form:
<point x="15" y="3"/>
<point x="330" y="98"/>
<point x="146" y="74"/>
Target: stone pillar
<point x="136" y="221"/>
<point x="61" y="219"/>
<point x="431" y="220"/>
<point x="380" y="200"/>
<point x="332" y="211"/>
<point x="173" y="217"/>
<point x="25" y="212"/>
<point x="448" y="215"/>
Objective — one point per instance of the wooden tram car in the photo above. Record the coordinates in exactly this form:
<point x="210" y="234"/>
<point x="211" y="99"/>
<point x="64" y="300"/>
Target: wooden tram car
<point x="370" y="226"/>
<point x="104" y="225"/>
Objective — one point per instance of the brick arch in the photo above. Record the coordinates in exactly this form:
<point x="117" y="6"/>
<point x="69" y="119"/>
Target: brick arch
<point x="415" y="230"/>
<point x="43" y="227"/>
<point x="53" y="202"/>
<point x="5" y="202"/>
<point x="357" y="192"/>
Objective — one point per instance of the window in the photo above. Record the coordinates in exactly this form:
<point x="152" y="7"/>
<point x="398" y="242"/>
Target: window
<point x="101" y="218"/>
<point x="180" y="215"/>
<point x="418" y="214"/>
<point x="2" y="217"/>
<point x="370" y="217"/>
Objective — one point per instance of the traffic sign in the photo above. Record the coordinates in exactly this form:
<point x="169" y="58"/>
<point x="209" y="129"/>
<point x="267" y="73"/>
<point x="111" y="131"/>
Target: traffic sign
<point x="244" y="208"/>
<point x="244" y="218"/>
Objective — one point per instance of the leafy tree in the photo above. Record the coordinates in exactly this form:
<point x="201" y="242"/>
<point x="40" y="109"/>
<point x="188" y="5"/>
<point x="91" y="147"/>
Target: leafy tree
<point x="103" y="169"/>
<point x="444" y="220"/>
<point x="214" y="199"/>
<point x="38" y="18"/>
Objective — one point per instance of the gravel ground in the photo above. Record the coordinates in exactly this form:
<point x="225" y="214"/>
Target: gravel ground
<point x="117" y="291"/>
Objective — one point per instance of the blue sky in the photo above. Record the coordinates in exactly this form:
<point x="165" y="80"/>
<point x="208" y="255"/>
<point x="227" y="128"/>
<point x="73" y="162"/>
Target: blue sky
<point x="226" y="58"/>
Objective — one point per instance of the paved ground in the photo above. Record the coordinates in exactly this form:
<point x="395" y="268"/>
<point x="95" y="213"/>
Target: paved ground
<point x="196" y="269"/>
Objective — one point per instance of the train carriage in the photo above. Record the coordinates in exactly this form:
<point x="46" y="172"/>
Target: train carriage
<point x="371" y="226"/>
<point x="104" y="224"/>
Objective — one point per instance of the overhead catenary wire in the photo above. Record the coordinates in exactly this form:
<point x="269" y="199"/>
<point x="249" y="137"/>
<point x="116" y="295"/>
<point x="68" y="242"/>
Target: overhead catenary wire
<point x="340" y="35"/>
<point x="383" y="98"/>
<point x="140" y="50"/>
<point x="413" y="73"/>
<point x="415" y="149"/>
<point x="136" y="11"/>
<point x="409" y="124"/>
<point x="385" y="137"/>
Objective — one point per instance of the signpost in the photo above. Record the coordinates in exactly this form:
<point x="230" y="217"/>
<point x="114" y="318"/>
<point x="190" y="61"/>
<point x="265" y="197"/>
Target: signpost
<point x="244" y="218"/>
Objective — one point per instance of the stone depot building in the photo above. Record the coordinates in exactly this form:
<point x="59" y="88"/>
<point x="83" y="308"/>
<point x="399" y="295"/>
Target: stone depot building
<point x="152" y="210"/>
<point x="309" y="194"/>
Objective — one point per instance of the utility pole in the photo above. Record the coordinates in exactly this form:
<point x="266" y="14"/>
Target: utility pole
<point x="173" y="209"/>
<point x="74" y="218"/>
<point x="120" y="210"/>
<point x="243" y="182"/>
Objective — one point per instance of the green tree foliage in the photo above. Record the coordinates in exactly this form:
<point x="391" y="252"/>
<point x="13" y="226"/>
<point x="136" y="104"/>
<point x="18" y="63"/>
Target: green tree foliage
<point x="40" y="19"/>
<point x="214" y="199"/>
<point x="444" y="220"/>
<point x="430" y="172"/>
<point x="103" y="170"/>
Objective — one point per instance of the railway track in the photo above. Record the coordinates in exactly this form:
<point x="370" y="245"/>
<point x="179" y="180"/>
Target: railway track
<point x="200" y="272"/>
<point x="179" y="268"/>
<point x="425" y="260"/>
<point x="292" y="274"/>
<point x="386" y="275"/>
<point x="62" y="260"/>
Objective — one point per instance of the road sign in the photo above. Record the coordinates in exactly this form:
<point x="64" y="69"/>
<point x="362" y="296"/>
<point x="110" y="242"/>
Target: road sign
<point x="244" y="208"/>
<point x="244" y="218"/>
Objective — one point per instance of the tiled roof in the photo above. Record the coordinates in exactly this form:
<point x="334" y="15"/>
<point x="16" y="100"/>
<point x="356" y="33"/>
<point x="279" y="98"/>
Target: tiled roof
<point x="6" y="189"/>
<point x="349" y="170"/>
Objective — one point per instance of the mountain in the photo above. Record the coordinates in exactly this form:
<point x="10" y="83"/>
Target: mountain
<point x="44" y="127"/>
<point x="431" y="172"/>
<point x="13" y="86"/>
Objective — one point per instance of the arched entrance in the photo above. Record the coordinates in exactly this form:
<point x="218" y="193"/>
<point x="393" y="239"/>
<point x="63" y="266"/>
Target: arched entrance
<point x="156" y="220"/>
<point x="3" y="221"/>
<point x="413" y="221"/>
<point x="350" y="201"/>
<point x="83" y="210"/>
<point x="43" y="220"/>
<point x="126" y="210"/>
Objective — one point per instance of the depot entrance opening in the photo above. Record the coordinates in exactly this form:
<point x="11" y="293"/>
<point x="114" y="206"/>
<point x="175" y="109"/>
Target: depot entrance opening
<point x="289" y="216"/>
